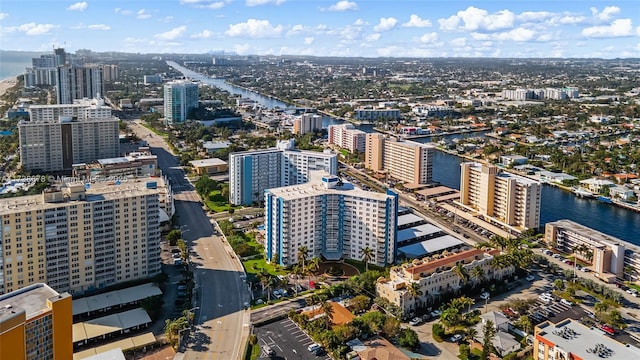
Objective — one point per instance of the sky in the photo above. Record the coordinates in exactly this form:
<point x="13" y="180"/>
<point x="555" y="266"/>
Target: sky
<point x="358" y="28"/>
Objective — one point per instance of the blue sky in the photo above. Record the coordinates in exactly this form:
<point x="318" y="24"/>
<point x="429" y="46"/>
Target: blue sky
<point x="371" y="28"/>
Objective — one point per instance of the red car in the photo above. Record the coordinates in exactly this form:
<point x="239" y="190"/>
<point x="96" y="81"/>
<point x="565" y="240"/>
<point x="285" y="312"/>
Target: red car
<point x="608" y="329"/>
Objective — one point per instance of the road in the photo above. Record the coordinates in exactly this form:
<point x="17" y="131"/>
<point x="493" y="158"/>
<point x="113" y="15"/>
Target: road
<point x="222" y="324"/>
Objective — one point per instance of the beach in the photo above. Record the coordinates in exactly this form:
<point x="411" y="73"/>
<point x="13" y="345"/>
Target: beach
<point x="7" y="83"/>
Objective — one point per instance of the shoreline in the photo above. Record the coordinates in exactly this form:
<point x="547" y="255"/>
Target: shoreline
<point x="8" y="83"/>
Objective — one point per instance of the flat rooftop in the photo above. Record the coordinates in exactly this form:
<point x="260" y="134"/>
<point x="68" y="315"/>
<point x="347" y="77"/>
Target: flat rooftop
<point x="587" y="232"/>
<point x="416" y="232"/>
<point x="409" y="219"/>
<point x="207" y="162"/>
<point x="585" y="342"/>
<point x="430" y="246"/>
<point x="114" y="298"/>
<point x="451" y="259"/>
<point x="310" y="189"/>
<point x="98" y="190"/>
<point x="32" y="299"/>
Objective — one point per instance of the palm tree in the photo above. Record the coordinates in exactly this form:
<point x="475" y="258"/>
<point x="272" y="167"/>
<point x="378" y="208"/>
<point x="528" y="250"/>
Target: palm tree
<point x="296" y="271"/>
<point x="498" y="241"/>
<point x="525" y="323"/>
<point x="327" y="309"/>
<point x="450" y="317"/>
<point x="461" y="272"/>
<point x="477" y="273"/>
<point x="629" y="271"/>
<point x="414" y="290"/>
<point x="472" y="333"/>
<point x="489" y="331"/>
<point x="601" y="307"/>
<point x="466" y="301"/>
<point x="588" y="255"/>
<point x="303" y="253"/>
<point x="367" y="255"/>
<point x="313" y="267"/>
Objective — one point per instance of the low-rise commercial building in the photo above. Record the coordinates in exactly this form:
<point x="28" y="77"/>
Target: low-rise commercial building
<point x="139" y="163"/>
<point x="569" y="339"/>
<point x="434" y="276"/>
<point x="209" y="166"/>
<point x="35" y="323"/>
<point x="377" y="114"/>
<point x="332" y="220"/>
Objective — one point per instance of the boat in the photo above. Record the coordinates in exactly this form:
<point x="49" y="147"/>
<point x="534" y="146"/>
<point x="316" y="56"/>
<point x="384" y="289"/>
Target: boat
<point x="604" y="199"/>
<point x="582" y="192"/>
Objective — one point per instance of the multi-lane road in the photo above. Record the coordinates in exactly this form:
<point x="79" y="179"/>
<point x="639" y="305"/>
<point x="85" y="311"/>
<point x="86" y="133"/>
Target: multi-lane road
<point x="220" y="290"/>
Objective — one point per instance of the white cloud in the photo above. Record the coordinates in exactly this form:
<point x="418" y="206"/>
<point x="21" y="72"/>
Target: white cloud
<point x="343" y="5"/>
<point x="172" y="34"/>
<point x="359" y="22"/>
<point x="263" y="2"/>
<point x="429" y="38"/>
<point x="458" y="42"/>
<point x="254" y="28"/>
<point x="618" y="28"/>
<point x="606" y="14"/>
<point x="570" y="20"/>
<point x="241" y="49"/>
<point x="417" y="22"/>
<point x="372" y="37"/>
<point x="204" y="4"/>
<point x="142" y="15"/>
<point x="295" y="29"/>
<point x="99" y="27"/>
<point x="122" y="11"/>
<point x="308" y="40"/>
<point x="204" y="34"/>
<point x="79" y="6"/>
<point x="534" y="16"/>
<point x="519" y="34"/>
<point x="166" y="19"/>
<point x="478" y="19"/>
<point x="3" y="16"/>
<point x="32" y="29"/>
<point x="386" y="24"/>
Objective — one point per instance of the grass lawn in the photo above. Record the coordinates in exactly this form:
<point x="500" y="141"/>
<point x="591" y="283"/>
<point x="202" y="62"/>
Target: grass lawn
<point x="254" y="267"/>
<point x="217" y="203"/>
<point x="361" y="267"/>
<point x="253" y="352"/>
<point x="633" y="286"/>
<point x="155" y="131"/>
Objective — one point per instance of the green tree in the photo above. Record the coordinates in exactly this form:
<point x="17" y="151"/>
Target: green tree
<point x="409" y="339"/>
<point x="524" y="323"/>
<point x="173" y="236"/>
<point x="477" y="274"/>
<point x="328" y="311"/>
<point x="367" y="255"/>
<point x="601" y="307"/>
<point x="391" y="327"/>
<point x="559" y="284"/>
<point x="489" y="331"/>
<point x="360" y="303"/>
<point x="461" y="272"/>
<point x="472" y="333"/>
<point x="465" y="352"/>
<point x="414" y="290"/>
<point x="303" y="253"/>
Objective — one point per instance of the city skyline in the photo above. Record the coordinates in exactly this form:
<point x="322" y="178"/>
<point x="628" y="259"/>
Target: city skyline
<point x="606" y="29"/>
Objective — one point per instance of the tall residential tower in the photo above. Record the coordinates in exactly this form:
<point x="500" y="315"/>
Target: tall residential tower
<point x="179" y="98"/>
<point x="407" y="161"/>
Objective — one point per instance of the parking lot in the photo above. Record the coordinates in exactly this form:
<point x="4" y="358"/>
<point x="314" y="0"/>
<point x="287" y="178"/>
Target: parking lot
<point x="287" y="340"/>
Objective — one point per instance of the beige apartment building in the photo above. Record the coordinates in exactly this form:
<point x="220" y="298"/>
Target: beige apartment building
<point x="78" y="237"/>
<point x="406" y="161"/>
<point x="607" y="255"/>
<point x="347" y="137"/>
<point x="57" y="136"/>
<point x="500" y="197"/>
<point x="435" y="276"/>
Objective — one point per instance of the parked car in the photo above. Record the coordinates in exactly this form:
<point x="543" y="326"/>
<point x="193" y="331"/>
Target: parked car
<point x="182" y="287"/>
<point x="313" y="347"/>
<point x="566" y="302"/>
<point x="267" y="350"/>
<point x="436" y="313"/>
<point x="455" y="338"/>
<point x="415" y="321"/>
<point x="485" y="295"/>
<point x="530" y="278"/>
<point x="608" y="329"/>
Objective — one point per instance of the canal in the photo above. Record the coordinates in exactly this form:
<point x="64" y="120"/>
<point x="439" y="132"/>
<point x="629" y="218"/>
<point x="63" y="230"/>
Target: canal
<point x="556" y="204"/>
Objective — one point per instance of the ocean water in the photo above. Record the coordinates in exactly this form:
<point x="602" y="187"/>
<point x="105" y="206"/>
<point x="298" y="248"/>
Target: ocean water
<point x="13" y="63"/>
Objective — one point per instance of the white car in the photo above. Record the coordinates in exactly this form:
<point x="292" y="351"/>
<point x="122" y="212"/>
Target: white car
<point x="313" y="347"/>
<point x="566" y="302"/>
<point x="415" y="321"/>
<point x="530" y="278"/>
<point x="436" y="313"/>
<point x="485" y="295"/>
<point x="455" y="338"/>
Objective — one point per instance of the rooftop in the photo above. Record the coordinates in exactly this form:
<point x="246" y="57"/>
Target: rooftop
<point x="114" y="298"/>
<point x="409" y="219"/>
<point x="587" y="232"/>
<point x="94" y="191"/>
<point x="207" y="162"/>
<point x="310" y="189"/>
<point x="452" y="259"/>
<point x="584" y="342"/>
<point x="417" y="232"/>
<point x="32" y="299"/>
<point x="430" y="246"/>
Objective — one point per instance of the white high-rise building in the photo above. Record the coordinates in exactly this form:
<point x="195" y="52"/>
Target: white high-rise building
<point x="332" y="220"/>
<point x="57" y="136"/>
<point x="179" y="98"/>
<point x="79" y="82"/>
<point x="80" y="237"/>
<point x="253" y="172"/>
<point x="347" y="137"/>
